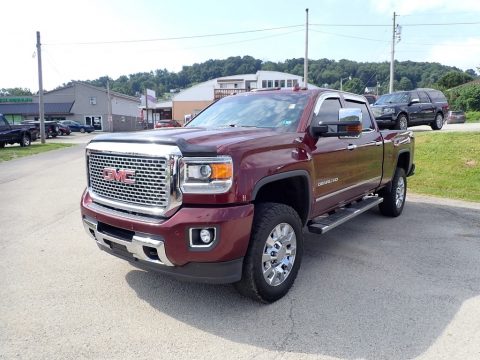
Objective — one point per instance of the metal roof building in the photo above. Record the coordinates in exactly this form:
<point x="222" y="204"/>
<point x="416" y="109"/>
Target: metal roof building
<point x="87" y="104"/>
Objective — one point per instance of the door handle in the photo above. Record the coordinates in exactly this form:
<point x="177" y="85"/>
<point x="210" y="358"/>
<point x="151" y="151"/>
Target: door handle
<point x="351" y="147"/>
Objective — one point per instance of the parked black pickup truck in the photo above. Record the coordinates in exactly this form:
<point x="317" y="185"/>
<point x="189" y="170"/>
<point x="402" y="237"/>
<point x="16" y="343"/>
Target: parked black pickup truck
<point x="11" y="134"/>
<point x="51" y="127"/>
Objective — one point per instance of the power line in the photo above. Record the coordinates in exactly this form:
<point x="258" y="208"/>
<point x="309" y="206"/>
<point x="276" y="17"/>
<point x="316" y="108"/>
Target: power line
<point x="444" y="24"/>
<point x="174" y="38"/>
<point x="388" y="25"/>
<point x="349" y="36"/>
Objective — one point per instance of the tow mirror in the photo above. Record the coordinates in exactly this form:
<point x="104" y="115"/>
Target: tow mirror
<point x="349" y="124"/>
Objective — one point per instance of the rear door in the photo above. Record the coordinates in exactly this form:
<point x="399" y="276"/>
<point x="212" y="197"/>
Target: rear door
<point x="428" y="109"/>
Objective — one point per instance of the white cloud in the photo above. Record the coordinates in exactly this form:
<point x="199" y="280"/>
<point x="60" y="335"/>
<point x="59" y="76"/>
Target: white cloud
<point x="464" y="54"/>
<point x="405" y="7"/>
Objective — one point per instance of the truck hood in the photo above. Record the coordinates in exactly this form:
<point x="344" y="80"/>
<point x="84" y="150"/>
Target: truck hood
<point x="193" y="141"/>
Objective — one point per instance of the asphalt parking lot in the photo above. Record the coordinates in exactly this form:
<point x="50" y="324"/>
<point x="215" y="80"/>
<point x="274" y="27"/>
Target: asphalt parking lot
<point x="374" y="288"/>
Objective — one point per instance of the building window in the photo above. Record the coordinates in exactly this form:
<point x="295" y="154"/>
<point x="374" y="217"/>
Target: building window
<point x="95" y="121"/>
<point x="282" y="83"/>
<point x="93" y="100"/>
<point x="264" y="84"/>
<point x="270" y="83"/>
<point x="277" y="83"/>
<point x="289" y="83"/>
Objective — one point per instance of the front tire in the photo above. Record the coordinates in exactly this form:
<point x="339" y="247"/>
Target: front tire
<point x="394" y="198"/>
<point x="25" y="141"/>
<point x="274" y="254"/>
<point x="82" y="130"/>
<point x="437" y="124"/>
<point x="402" y="123"/>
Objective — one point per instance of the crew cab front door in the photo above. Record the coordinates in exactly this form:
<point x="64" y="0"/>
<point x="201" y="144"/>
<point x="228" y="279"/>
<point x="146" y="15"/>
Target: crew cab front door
<point x="345" y="168"/>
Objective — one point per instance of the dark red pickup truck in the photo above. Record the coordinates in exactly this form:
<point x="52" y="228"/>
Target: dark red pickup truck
<point x="226" y="199"/>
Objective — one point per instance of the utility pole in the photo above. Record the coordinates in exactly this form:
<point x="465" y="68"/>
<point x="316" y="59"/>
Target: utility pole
<point x="392" y="60"/>
<point x="146" y="106"/>
<point x="41" y="107"/>
<point x="305" y="62"/>
<point x="109" y="110"/>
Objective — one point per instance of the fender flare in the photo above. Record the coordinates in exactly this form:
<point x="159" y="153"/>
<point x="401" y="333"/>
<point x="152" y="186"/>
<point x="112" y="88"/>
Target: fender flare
<point x="282" y="176"/>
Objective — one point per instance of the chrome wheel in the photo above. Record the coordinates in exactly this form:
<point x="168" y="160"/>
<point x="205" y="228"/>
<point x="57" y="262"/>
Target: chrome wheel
<point x="403" y="123"/>
<point x="439" y="121"/>
<point x="279" y="254"/>
<point x="400" y="193"/>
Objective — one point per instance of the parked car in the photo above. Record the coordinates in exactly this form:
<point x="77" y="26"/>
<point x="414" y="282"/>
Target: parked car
<point x="455" y="117"/>
<point x="371" y="98"/>
<point x="402" y="109"/>
<point x="167" y="123"/>
<point x="51" y="127"/>
<point x="76" y="126"/>
<point x="63" y="129"/>
<point x="11" y="134"/>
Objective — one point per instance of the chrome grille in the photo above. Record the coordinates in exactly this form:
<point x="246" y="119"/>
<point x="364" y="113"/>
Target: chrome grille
<point x="151" y="187"/>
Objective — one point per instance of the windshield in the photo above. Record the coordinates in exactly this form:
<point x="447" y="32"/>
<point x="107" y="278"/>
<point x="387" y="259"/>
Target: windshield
<point x="396" y="98"/>
<point x="278" y="110"/>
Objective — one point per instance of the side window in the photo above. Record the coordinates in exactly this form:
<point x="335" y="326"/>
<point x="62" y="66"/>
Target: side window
<point x="367" y="123"/>
<point x="413" y="95"/>
<point x="3" y="123"/>
<point x="423" y="97"/>
<point x="328" y="110"/>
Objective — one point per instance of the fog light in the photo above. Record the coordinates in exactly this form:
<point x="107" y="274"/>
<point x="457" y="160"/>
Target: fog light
<point x="205" y="236"/>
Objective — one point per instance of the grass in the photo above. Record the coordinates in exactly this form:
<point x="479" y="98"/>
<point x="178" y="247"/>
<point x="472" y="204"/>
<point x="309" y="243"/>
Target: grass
<point x="447" y="165"/>
<point x="15" y="152"/>
<point x="472" y="116"/>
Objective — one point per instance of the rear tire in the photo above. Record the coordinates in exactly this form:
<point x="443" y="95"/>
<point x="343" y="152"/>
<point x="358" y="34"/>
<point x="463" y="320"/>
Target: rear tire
<point x="394" y="198"/>
<point x="274" y="254"/>
<point x="437" y="124"/>
<point x="82" y="130"/>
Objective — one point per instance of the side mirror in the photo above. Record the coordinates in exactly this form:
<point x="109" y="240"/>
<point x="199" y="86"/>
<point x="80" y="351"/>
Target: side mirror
<point x="414" y="101"/>
<point x="349" y="124"/>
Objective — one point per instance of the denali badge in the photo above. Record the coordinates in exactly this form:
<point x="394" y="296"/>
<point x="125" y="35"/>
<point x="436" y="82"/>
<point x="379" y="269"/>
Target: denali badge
<point x="122" y="175"/>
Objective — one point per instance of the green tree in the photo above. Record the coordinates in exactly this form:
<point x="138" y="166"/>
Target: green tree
<point x="355" y="86"/>
<point x="454" y="78"/>
<point x="405" y="84"/>
<point x="15" y="92"/>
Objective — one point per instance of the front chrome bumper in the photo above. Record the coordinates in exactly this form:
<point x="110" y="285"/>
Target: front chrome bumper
<point x="140" y="245"/>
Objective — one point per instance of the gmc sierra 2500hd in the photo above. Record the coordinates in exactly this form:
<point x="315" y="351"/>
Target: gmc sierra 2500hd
<point x="226" y="198"/>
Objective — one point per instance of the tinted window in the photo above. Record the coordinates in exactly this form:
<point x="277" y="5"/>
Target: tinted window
<point x="437" y="96"/>
<point x="366" y="120"/>
<point x="422" y="95"/>
<point x="394" y="98"/>
<point x="414" y="95"/>
<point x="279" y="110"/>
<point x="2" y="121"/>
<point x="328" y="110"/>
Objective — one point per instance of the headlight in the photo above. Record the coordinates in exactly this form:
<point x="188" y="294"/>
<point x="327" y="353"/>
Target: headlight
<point x="206" y="175"/>
<point x="387" y="111"/>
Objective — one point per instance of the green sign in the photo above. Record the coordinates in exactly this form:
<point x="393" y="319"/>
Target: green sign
<point x="16" y="100"/>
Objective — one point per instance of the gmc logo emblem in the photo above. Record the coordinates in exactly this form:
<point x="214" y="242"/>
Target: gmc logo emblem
<point x="122" y="175"/>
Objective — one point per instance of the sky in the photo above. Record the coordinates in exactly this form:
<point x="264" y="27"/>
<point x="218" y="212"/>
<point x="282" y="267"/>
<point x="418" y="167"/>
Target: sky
<point x="84" y="40"/>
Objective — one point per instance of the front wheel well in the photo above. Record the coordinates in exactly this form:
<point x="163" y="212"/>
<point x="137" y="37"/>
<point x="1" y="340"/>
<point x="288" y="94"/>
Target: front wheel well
<point x="291" y="191"/>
